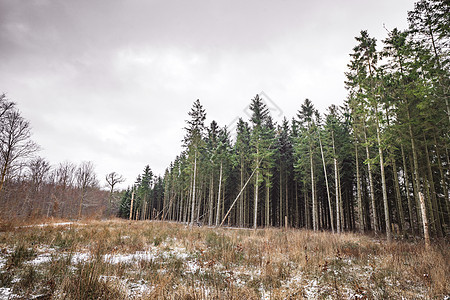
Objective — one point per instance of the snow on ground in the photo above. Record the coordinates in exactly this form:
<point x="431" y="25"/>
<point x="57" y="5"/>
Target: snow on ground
<point x="129" y="258"/>
<point x="5" y="293"/>
<point x="40" y="259"/>
<point x="2" y="262"/>
<point x="50" y="224"/>
<point x="311" y="289"/>
<point x="80" y="257"/>
<point x="131" y="288"/>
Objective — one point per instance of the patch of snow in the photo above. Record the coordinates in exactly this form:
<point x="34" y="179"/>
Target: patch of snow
<point x="264" y="294"/>
<point x="140" y="288"/>
<point x="311" y="289"/>
<point x="127" y="258"/>
<point x="5" y="293"/>
<point x="2" y="262"/>
<point x="15" y="280"/>
<point x="38" y="296"/>
<point x="177" y="252"/>
<point x="48" y="224"/>
<point x="40" y="259"/>
<point x="79" y="257"/>
<point x="192" y="267"/>
<point x="355" y="295"/>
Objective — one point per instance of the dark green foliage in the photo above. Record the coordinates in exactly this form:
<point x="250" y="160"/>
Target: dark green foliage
<point x="359" y="166"/>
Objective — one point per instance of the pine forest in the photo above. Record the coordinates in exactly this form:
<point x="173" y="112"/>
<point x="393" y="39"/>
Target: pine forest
<point x="379" y="162"/>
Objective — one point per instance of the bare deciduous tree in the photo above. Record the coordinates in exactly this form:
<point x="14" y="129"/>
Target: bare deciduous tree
<point x="64" y="176"/>
<point x="15" y="141"/>
<point x="39" y="170"/>
<point x="86" y="179"/>
<point x="112" y="179"/>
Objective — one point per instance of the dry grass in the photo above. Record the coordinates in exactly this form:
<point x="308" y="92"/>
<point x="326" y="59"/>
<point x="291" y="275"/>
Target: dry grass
<point x="160" y="260"/>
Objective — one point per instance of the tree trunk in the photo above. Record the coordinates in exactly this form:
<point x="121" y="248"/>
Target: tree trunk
<point x="255" y="206"/>
<point x="336" y="183"/>
<point x="424" y="221"/>
<point x="341" y="209"/>
<point x="383" y="180"/>
<point x="408" y="196"/>
<point x="5" y="169"/>
<point x="267" y="204"/>
<point x="211" y="200"/>
<point x="434" y="206"/>
<point x="372" y="190"/>
<point x="401" y="218"/>
<point x="241" y="198"/>
<point x="307" y="212"/>
<point x="131" y="206"/>
<point x="281" y="201"/>
<point x="358" y="191"/>
<point x="313" y="193"/>
<point x="286" y="202"/>
<point x="326" y="184"/>
<point x="218" y="195"/>
<point x="193" y="189"/>
<point x="415" y="162"/>
<point x="297" y="213"/>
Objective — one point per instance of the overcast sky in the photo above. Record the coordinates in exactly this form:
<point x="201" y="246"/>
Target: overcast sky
<point x="112" y="81"/>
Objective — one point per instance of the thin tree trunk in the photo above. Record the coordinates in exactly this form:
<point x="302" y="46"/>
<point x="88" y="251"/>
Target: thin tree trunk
<point x="415" y="161"/>
<point x="307" y="212"/>
<point x="286" y="202"/>
<point x="241" y="198"/>
<point x="218" y="196"/>
<point x="211" y="200"/>
<point x="358" y="191"/>
<point x="399" y="197"/>
<point x="193" y="189"/>
<point x="434" y="205"/>
<point x="131" y="206"/>
<point x="199" y="206"/>
<point x="383" y="180"/>
<point x="313" y="194"/>
<point x="341" y="209"/>
<point x="144" y="209"/>
<point x="267" y="205"/>
<point x="424" y="221"/>
<point x="408" y="196"/>
<point x="326" y="184"/>
<point x="297" y="213"/>
<point x="255" y="206"/>
<point x="5" y="169"/>
<point x="180" y="214"/>
<point x="428" y="205"/>
<point x="281" y="200"/>
<point x="372" y="190"/>
<point x="336" y="183"/>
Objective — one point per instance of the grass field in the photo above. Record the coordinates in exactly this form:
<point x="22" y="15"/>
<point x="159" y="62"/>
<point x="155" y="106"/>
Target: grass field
<point x="159" y="260"/>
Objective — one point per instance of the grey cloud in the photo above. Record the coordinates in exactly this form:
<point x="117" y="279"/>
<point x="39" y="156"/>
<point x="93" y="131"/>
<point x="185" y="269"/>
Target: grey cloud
<point x="83" y="70"/>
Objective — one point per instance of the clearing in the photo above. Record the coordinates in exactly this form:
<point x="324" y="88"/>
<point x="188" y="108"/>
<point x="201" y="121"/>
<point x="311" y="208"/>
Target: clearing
<point x="119" y="259"/>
